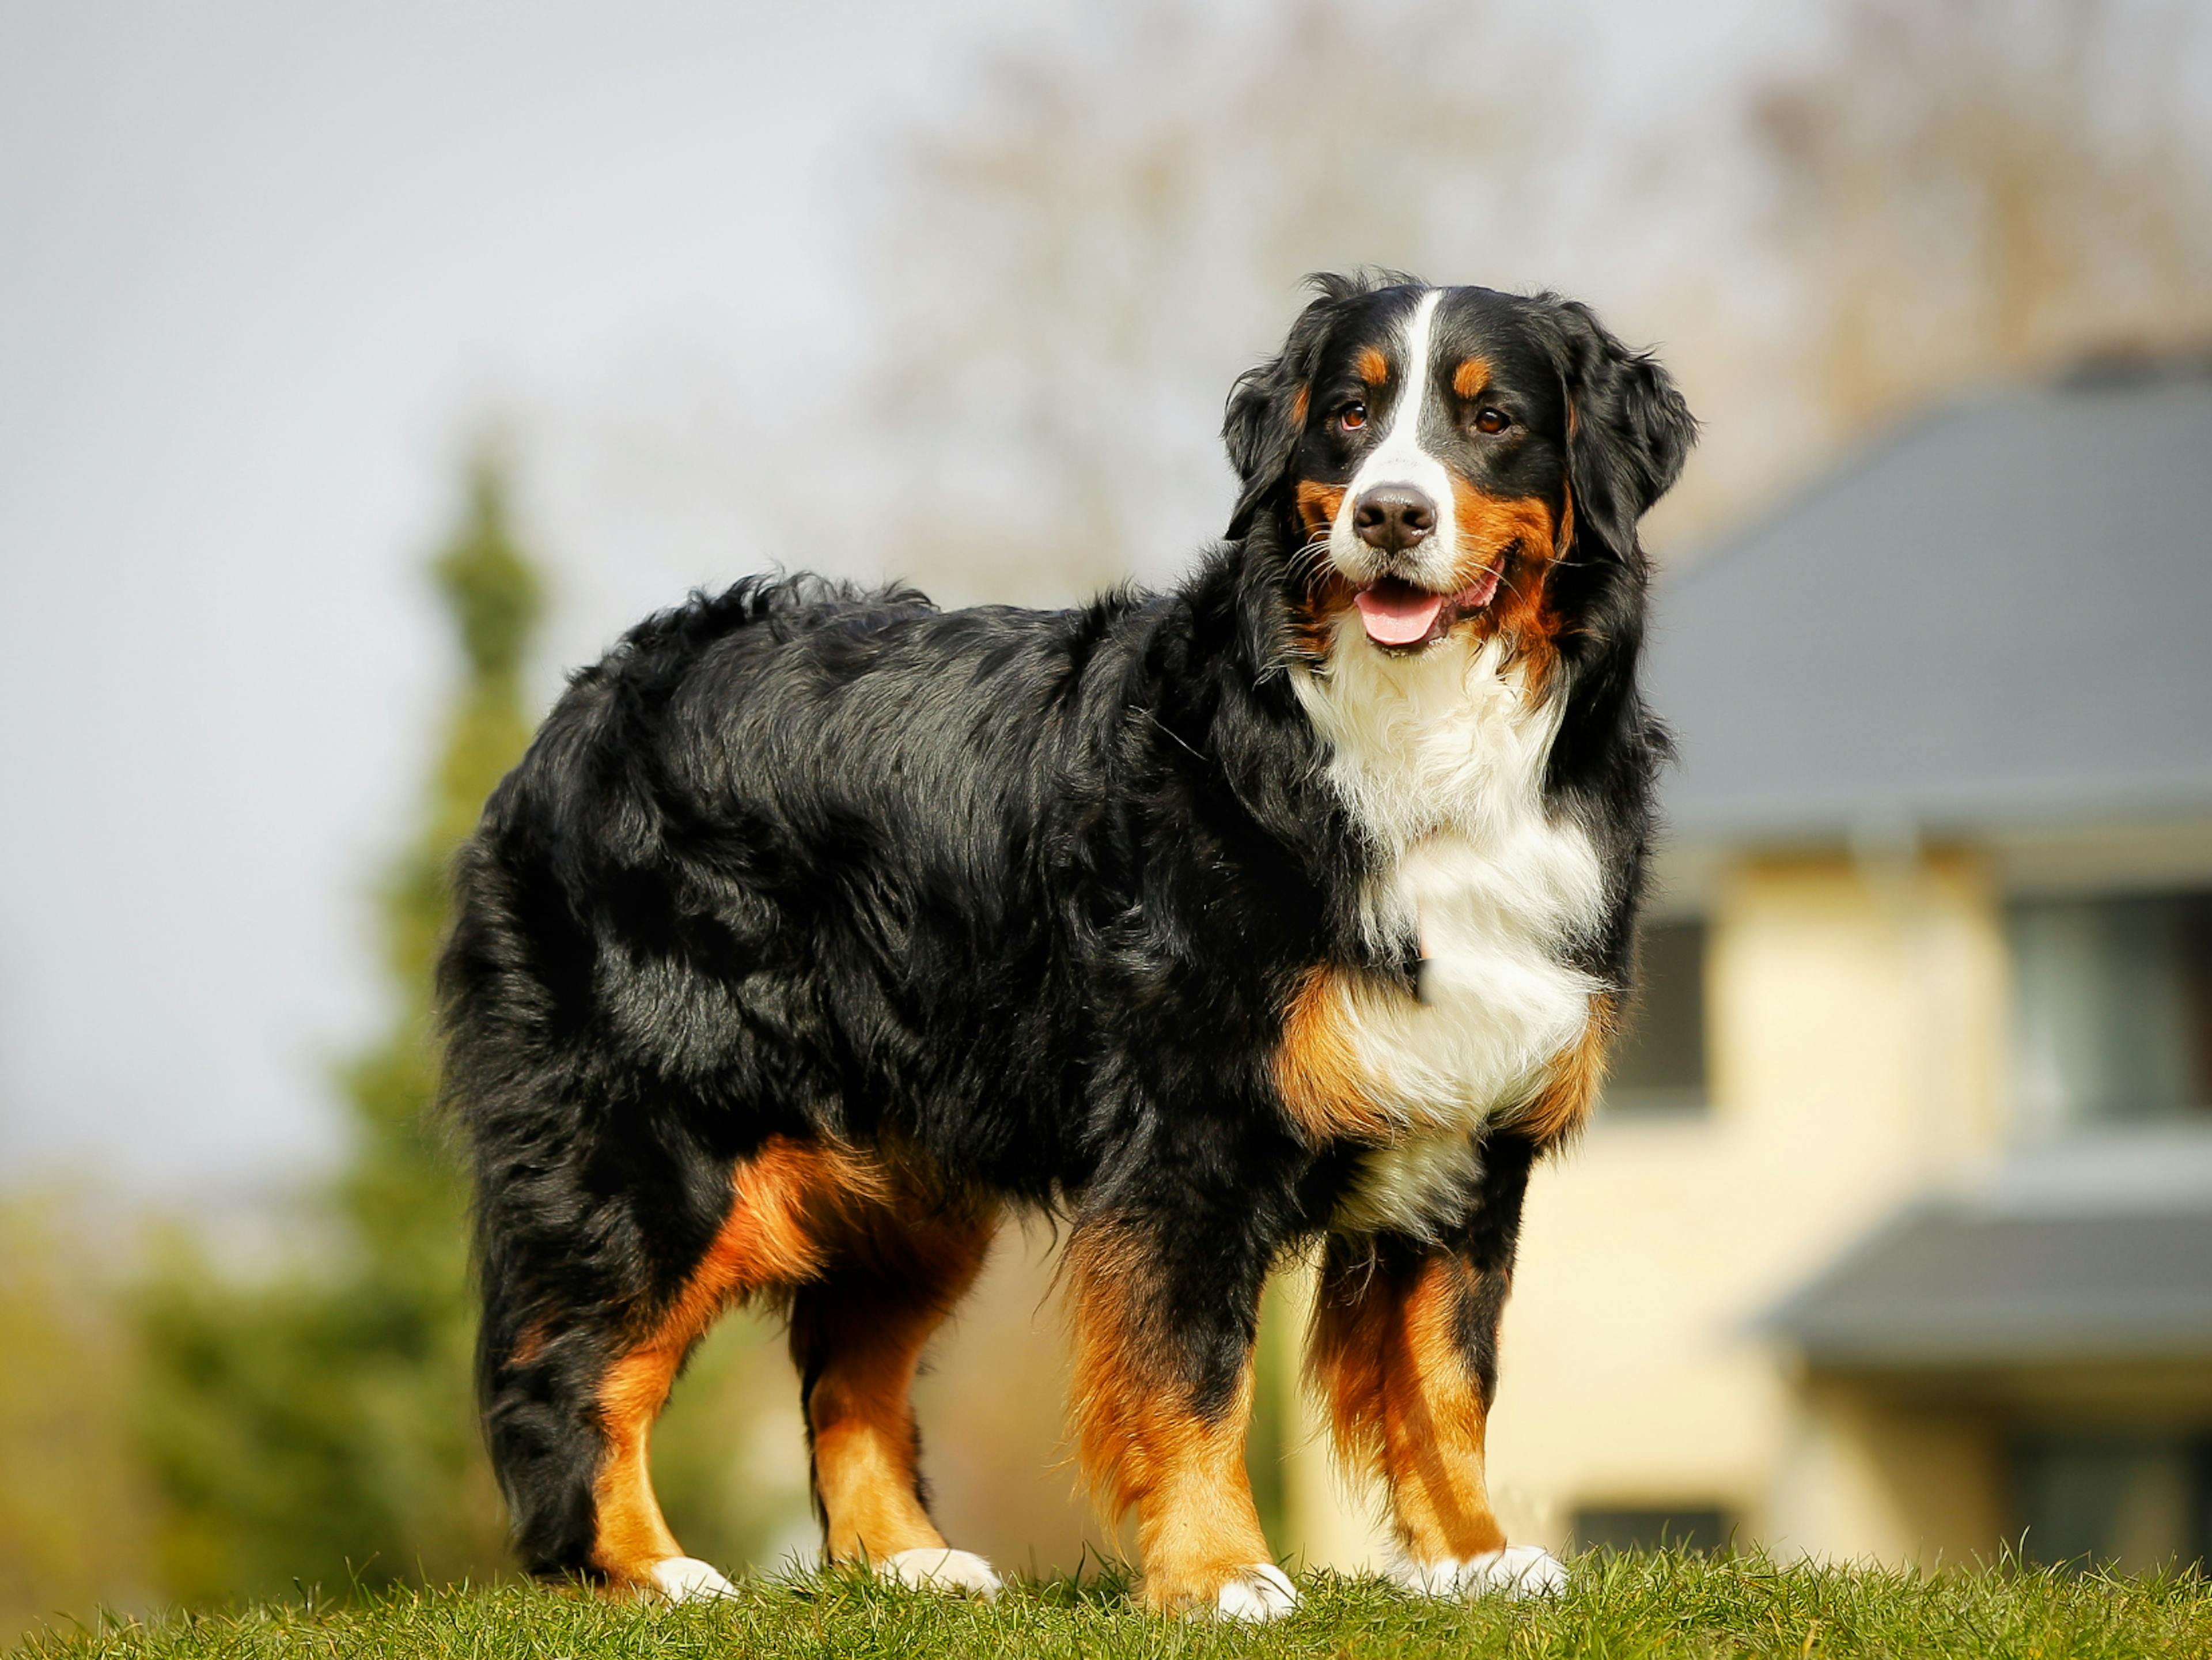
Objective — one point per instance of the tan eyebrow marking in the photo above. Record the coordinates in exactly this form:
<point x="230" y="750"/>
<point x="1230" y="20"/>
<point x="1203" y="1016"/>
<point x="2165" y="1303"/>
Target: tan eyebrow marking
<point x="1372" y="366"/>
<point x="1471" y="377"/>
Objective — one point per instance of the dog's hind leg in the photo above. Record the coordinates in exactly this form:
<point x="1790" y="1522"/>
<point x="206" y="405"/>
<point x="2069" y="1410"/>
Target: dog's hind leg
<point x="577" y="1370"/>
<point x="857" y="1334"/>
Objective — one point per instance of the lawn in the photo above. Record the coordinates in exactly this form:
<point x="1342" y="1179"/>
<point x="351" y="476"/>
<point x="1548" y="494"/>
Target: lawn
<point x="1619" y="1606"/>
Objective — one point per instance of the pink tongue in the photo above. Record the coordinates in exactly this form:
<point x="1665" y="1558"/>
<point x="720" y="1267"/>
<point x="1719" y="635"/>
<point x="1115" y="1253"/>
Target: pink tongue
<point x="1397" y="613"/>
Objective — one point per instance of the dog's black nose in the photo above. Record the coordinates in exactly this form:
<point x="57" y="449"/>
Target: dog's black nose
<point x="1393" y="516"/>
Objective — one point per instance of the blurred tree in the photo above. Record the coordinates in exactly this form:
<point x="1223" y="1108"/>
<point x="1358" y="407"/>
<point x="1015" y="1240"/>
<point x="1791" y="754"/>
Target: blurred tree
<point x="1970" y="188"/>
<point x="317" y="1425"/>
<point x="73" y="1512"/>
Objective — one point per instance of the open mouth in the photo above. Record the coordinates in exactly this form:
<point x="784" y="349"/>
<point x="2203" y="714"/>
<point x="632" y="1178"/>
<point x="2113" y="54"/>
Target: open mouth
<point x="1400" y="616"/>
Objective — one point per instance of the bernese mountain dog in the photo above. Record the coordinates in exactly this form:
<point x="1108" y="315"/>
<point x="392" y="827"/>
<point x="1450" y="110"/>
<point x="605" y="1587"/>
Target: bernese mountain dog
<point x="1292" y="909"/>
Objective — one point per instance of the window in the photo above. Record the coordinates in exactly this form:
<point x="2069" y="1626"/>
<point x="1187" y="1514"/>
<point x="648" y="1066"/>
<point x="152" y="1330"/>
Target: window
<point x="1681" y="1527"/>
<point x="2113" y="1016"/>
<point x="2134" y="1502"/>
<point x="1659" y="1064"/>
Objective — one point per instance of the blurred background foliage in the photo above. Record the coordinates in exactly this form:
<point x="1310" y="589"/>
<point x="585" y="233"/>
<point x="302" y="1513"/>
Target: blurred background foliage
<point x="74" y="1493"/>
<point x="1966" y="188"/>
<point x="315" y="1425"/>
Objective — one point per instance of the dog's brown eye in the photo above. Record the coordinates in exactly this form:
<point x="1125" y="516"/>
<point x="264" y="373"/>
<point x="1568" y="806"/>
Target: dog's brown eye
<point x="1352" y="417"/>
<point x="1491" y="420"/>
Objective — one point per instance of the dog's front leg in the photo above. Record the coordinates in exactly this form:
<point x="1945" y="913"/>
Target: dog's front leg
<point x="1405" y="1344"/>
<point x="1165" y="1310"/>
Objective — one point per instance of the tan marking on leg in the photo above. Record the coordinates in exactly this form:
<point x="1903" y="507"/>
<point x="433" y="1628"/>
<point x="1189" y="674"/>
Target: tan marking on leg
<point x="632" y="1534"/>
<point x="1562" y="1105"/>
<point x="1143" y="1445"/>
<point x="1316" y="1069"/>
<point x="789" y="1202"/>
<point x="1403" y="1401"/>
<point x="867" y="1326"/>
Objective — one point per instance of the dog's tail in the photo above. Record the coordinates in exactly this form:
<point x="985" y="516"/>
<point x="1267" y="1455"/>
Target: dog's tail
<point x="543" y="1341"/>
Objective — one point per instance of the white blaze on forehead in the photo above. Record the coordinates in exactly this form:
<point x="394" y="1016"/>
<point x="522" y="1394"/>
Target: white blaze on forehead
<point x="1400" y="459"/>
<point x="1401" y="445"/>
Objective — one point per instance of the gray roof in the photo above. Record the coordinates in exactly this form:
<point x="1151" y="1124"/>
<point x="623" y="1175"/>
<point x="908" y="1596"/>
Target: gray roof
<point x="2040" y="1265"/>
<point x="2001" y="617"/>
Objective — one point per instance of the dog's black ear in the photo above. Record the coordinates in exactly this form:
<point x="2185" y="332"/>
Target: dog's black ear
<point x="1267" y="406"/>
<point x="1261" y="428"/>
<point x="1629" y="430"/>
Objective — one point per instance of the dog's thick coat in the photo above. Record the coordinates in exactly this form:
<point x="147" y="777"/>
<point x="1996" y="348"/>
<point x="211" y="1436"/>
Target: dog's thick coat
<point x="818" y="926"/>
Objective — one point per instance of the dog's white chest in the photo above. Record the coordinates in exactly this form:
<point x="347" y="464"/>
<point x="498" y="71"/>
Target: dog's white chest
<point x="1440" y="757"/>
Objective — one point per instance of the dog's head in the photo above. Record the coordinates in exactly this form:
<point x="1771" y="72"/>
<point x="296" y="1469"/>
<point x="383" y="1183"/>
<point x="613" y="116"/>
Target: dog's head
<point x="1434" y="460"/>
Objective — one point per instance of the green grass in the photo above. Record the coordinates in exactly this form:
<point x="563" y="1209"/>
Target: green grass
<point x="1619" y="1606"/>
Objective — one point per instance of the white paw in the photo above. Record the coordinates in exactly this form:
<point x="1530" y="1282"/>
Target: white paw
<point x="1262" y="1592"/>
<point x="1515" y="1571"/>
<point x="687" y="1579"/>
<point x="935" y="1568"/>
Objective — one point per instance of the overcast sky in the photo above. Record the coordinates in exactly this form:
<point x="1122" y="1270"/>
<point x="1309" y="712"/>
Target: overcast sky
<point x="263" y="270"/>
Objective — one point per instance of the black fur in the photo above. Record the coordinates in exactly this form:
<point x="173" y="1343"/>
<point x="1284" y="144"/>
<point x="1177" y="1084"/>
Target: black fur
<point x="1026" y="890"/>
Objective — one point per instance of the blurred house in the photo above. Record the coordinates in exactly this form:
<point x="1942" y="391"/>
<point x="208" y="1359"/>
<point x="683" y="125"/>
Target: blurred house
<point x="1895" y="1236"/>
